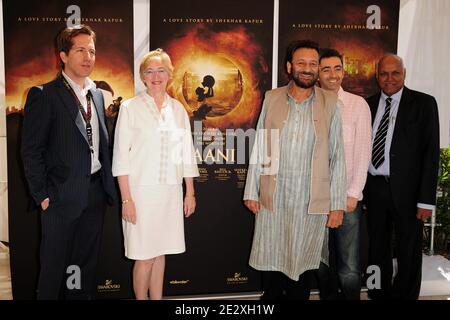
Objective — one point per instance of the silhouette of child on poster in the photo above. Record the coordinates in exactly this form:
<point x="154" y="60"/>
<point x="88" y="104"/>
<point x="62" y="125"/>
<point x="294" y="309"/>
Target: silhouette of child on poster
<point x="207" y="83"/>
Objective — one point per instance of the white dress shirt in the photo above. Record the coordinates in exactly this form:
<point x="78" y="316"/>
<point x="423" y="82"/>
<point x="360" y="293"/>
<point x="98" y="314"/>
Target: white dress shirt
<point x="383" y="169"/>
<point x="81" y="95"/>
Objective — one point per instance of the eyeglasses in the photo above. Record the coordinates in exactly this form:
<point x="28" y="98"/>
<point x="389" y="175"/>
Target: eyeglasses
<point x="149" y="72"/>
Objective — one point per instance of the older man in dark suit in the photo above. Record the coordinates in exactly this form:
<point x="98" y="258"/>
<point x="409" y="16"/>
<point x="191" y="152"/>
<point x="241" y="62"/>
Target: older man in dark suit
<point x="66" y="158"/>
<point x="400" y="191"/>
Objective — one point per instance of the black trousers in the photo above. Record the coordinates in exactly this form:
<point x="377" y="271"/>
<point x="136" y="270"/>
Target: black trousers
<point x="393" y="234"/>
<point x="71" y="237"/>
<point x="277" y="286"/>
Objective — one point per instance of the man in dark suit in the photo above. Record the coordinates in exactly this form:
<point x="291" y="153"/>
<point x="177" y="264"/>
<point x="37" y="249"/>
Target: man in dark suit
<point x="400" y="191"/>
<point x="66" y="158"/>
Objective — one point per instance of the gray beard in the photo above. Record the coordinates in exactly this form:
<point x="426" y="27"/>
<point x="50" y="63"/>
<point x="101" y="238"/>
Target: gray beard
<point x="304" y="85"/>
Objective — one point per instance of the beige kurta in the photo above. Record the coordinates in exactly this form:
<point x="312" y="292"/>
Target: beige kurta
<point x="290" y="240"/>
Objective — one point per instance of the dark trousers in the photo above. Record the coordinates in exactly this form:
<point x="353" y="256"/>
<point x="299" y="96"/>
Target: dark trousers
<point x="277" y="286"/>
<point x="393" y="234"/>
<point x="344" y="248"/>
<point x="71" y="237"/>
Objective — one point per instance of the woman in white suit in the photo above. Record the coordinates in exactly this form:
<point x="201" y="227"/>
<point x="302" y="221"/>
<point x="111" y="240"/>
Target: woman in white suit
<point x="153" y="152"/>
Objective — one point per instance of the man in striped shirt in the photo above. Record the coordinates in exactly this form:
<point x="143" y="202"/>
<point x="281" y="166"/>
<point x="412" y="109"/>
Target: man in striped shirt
<point x="357" y="132"/>
<point x="300" y="192"/>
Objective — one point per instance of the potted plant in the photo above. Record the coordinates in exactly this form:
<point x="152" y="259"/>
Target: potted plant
<point x="442" y="231"/>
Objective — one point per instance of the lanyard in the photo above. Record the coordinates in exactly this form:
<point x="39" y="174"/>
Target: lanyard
<point x="86" y="115"/>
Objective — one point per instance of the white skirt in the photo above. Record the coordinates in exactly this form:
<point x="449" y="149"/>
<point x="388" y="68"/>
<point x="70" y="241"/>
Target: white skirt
<point x="159" y="227"/>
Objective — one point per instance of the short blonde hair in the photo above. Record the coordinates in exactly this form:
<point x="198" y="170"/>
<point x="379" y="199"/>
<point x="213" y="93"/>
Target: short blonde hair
<point x="156" y="54"/>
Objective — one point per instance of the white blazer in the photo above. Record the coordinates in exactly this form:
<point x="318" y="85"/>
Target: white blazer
<point x="153" y="147"/>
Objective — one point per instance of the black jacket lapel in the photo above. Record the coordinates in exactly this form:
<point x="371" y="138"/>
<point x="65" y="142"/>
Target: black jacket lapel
<point x="373" y="104"/>
<point x="71" y="106"/>
<point x="99" y="107"/>
<point x="402" y="116"/>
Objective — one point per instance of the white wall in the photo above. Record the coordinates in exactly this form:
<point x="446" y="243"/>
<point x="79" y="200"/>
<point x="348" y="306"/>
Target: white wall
<point x="141" y="37"/>
<point x="423" y="44"/>
<point x="3" y="167"/>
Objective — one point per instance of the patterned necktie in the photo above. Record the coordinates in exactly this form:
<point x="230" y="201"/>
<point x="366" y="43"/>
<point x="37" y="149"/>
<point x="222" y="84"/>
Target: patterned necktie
<point x="380" y="137"/>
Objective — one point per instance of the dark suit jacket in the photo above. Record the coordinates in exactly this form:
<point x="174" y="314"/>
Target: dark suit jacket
<point x="55" y="149"/>
<point x="414" y="153"/>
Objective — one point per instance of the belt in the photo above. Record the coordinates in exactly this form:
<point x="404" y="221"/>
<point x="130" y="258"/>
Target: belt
<point x="95" y="176"/>
<point x="386" y="179"/>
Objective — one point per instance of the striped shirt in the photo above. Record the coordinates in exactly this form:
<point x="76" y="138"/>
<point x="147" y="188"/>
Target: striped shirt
<point x="357" y="132"/>
<point x="291" y="240"/>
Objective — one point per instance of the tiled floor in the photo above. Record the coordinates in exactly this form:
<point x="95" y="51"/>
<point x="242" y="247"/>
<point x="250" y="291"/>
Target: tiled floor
<point x="5" y="274"/>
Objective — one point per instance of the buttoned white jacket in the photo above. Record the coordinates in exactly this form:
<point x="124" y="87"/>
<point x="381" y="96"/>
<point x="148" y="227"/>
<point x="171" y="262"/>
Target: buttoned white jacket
<point x="153" y="147"/>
